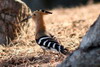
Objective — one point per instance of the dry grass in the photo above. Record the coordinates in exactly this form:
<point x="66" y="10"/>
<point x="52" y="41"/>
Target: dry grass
<point x="67" y="24"/>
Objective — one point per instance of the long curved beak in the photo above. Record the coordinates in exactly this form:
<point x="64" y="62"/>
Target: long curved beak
<point x="26" y="18"/>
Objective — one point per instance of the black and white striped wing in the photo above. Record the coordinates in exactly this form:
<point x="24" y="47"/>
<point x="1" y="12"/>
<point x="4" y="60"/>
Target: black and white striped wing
<point x="47" y="42"/>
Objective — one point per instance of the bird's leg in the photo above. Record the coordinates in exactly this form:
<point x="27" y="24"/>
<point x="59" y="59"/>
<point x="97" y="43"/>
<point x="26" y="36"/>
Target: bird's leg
<point x="59" y="55"/>
<point x="43" y="51"/>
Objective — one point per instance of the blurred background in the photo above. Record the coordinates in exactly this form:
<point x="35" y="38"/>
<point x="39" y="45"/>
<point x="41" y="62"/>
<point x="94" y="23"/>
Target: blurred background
<point x="49" y="4"/>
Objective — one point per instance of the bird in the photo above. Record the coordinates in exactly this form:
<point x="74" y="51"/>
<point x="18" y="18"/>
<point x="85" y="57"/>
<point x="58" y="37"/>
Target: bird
<point x="43" y="38"/>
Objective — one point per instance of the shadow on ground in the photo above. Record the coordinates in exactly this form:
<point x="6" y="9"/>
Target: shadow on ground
<point x="31" y="60"/>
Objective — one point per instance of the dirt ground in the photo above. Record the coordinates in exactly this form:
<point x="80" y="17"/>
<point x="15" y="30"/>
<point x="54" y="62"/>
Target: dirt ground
<point x="68" y="25"/>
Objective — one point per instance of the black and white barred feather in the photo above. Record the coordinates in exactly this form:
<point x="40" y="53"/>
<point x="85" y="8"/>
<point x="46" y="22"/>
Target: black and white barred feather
<point x="49" y="43"/>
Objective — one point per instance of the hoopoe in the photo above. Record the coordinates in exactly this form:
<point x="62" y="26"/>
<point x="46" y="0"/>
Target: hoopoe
<point x="43" y="39"/>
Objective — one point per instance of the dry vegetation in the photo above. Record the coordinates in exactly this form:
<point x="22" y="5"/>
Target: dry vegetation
<point x="67" y="24"/>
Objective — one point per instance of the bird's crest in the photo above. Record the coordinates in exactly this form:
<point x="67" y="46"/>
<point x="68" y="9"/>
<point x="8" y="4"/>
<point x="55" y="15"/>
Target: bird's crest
<point x="43" y="11"/>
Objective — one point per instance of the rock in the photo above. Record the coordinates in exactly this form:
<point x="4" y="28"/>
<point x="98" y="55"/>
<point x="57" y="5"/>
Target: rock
<point x="88" y="53"/>
<point x="11" y="14"/>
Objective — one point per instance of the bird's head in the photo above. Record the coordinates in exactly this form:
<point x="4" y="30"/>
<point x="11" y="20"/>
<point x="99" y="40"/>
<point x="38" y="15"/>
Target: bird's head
<point x="41" y="12"/>
<point x="37" y="13"/>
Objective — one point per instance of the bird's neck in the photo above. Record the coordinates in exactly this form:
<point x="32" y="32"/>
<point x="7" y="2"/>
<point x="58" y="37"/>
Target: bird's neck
<point x="40" y="26"/>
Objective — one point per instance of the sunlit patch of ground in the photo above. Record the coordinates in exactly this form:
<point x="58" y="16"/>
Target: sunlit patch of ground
<point x="68" y="25"/>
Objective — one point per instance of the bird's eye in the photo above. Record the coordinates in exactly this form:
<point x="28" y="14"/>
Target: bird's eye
<point x="34" y="14"/>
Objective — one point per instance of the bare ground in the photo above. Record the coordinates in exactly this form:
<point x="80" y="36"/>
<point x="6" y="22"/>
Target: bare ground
<point x="68" y="25"/>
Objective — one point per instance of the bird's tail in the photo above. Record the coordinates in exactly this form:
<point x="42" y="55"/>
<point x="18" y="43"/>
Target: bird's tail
<point x="65" y="51"/>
